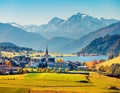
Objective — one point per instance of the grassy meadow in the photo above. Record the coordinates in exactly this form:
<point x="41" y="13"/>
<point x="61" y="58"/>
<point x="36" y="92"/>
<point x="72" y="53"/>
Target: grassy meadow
<point x="58" y="83"/>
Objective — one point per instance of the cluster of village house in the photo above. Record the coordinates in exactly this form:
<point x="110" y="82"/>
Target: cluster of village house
<point x="13" y="64"/>
<point x="8" y="64"/>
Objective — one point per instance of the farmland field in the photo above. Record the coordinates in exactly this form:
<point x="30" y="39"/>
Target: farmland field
<point x="58" y="83"/>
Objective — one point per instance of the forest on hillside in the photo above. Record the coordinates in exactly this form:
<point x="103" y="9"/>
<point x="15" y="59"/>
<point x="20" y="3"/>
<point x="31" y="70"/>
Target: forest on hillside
<point x="103" y="45"/>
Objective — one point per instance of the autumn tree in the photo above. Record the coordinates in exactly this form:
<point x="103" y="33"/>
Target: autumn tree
<point x="8" y="63"/>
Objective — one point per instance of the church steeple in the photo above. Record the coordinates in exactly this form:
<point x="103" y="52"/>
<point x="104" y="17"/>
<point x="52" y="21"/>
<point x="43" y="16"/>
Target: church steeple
<point x="46" y="54"/>
<point x="0" y="53"/>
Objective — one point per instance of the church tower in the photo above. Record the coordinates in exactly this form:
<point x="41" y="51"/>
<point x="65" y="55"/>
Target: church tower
<point x="0" y="54"/>
<point x="46" y="54"/>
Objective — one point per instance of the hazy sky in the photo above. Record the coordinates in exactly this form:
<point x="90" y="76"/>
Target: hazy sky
<point x="41" y="11"/>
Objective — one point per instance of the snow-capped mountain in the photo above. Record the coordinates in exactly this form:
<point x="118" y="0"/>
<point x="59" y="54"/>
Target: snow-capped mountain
<point x="29" y="28"/>
<point x="75" y="26"/>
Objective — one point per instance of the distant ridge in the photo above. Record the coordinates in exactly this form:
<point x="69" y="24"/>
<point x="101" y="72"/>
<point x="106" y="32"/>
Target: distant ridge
<point x="74" y="27"/>
<point x="85" y="40"/>
<point x="7" y="46"/>
<point x="81" y="27"/>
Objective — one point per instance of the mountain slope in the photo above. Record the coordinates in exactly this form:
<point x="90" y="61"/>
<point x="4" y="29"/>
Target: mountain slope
<point x="75" y="27"/>
<point x="56" y="42"/>
<point x="103" y="46"/>
<point x="20" y="37"/>
<point x="85" y="40"/>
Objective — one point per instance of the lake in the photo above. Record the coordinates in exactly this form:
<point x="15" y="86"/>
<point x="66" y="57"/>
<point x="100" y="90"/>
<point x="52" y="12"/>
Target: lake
<point x="83" y="58"/>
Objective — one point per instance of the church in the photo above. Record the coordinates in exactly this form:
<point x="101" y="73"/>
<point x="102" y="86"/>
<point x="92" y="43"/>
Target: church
<point x="51" y="63"/>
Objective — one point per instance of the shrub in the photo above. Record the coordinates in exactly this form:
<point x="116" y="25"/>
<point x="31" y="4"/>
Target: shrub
<point x="25" y="70"/>
<point x="66" y="70"/>
<point x="114" y="88"/>
<point x="43" y="70"/>
<point x="37" y="69"/>
<point x="40" y="69"/>
<point x="53" y="70"/>
<point x="48" y="70"/>
<point x="31" y="70"/>
<point x="102" y="68"/>
<point x="60" y="70"/>
<point x="20" y="70"/>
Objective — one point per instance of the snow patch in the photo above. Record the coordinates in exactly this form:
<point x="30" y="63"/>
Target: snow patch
<point x="83" y="16"/>
<point x="15" y="25"/>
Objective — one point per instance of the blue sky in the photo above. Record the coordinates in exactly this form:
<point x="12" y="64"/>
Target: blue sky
<point x="41" y="11"/>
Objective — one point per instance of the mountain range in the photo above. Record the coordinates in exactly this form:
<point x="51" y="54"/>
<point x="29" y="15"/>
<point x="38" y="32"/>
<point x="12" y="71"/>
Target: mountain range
<point x="74" y="27"/>
<point x="77" y="45"/>
<point x="60" y="35"/>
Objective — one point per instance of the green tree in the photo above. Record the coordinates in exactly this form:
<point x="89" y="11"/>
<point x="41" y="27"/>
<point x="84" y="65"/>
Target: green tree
<point x="20" y="70"/>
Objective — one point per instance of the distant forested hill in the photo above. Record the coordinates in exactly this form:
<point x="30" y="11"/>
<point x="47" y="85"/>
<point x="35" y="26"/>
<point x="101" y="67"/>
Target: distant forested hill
<point x="7" y="46"/>
<point x="103" y="45"/>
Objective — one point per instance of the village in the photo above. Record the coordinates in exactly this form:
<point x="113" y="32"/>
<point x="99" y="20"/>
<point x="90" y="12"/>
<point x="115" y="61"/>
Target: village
<point x="23" y="62"/>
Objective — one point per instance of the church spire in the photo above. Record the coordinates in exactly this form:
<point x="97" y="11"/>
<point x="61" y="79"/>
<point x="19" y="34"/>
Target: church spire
<point x="0" y="53"/>
<point x="47" y="54"/>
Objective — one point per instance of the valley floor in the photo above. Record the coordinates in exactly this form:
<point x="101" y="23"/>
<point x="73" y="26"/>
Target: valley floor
<point x="58" y="83"/>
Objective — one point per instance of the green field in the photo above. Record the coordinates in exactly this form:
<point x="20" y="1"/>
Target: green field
<point x="58" y="83"/>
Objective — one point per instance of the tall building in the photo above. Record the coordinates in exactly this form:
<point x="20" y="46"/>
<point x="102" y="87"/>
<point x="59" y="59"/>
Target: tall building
<point x="46" y="54"/>
<point x="0" y="53"/>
